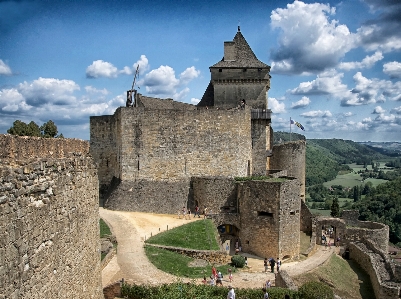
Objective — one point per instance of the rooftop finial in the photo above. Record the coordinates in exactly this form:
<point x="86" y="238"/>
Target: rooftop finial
<point x="239" y="25"/>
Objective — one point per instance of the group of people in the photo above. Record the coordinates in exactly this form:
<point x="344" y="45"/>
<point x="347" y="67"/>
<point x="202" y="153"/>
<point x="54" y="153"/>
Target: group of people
<point x="217" y="277"/>
<point x="272" y="262"/>
<point x="186" y="213"/>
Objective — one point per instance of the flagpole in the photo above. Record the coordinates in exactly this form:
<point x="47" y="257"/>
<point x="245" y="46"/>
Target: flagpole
<point x="290" y="129"/>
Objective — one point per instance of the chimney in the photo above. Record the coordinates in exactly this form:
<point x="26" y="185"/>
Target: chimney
<point x="229" y="51"/>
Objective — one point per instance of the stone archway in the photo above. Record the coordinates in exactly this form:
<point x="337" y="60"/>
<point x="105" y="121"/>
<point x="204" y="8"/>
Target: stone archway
<point x="229" y="236"/>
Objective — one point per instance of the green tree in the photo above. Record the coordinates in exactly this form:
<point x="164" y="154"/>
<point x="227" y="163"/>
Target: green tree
<point x="49" y="129"/>
<point x="335" y="208"/>
<point x="19" y="128"/>
<point x="33" y="129"/>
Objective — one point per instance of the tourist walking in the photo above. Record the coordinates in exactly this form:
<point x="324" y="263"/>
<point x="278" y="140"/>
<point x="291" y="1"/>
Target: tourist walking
<point x="230" y="275"/>
<point x="266" y="295"/>
<point x="231" y="293"/>
<point x="272" y="264"/>
<point x="219" y="280"/>
<point x="268" y="284"/>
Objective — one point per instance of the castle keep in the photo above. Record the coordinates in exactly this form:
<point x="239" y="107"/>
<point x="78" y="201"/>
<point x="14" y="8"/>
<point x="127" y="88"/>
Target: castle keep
<point x="161" y="155"/>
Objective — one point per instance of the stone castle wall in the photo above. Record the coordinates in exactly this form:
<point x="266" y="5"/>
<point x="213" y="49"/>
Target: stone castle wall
<point x="150" y="196"/>
<point x="22" y="150"/>
<point x="103" y="147"/>
<point x="218" y="194"/>
<point x="270" y="214"/>
<point x="171" y="145"/>
<point x="49" y="219"/>
<point x="291" y="157"/>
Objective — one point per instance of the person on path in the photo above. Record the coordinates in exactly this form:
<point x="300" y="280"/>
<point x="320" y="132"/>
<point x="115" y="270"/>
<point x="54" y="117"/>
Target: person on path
<point x="272" y="264"/>
<point x="204" y="281"/>
<point x="338" y="241"/>
<point x="268" y="284"/>
<point x="230" y="275"/>
<point x="231" y="293"/>
<point x="219" y="280"/>
<point x="278" y="264"/>
<point x="204" y="213"/>
<point x="265" y="263"/>
<point x="214" y="272"/>
<point x="266" y="295"/>
<point x="189" y="214"/>
<point x="212" y="280"/>
<point x="196" y="212"/>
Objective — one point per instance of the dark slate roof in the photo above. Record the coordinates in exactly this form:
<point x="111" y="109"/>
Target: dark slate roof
<point x="244" y="56"/>
<point x="208" y="97"/>
<point x="166" y="104"/>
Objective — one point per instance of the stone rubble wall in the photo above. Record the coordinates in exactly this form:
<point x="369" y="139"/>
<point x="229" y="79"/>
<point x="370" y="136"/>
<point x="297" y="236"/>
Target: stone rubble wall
<point x="283" y="280"/>
<point x="49" y="220"/>
<point x="374" y="265"/>
<point x="211" y="256"/>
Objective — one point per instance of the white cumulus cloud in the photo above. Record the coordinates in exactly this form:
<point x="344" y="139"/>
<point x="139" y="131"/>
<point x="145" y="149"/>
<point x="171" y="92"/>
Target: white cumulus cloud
<point x="4" y="69"/>
<point x="309" y="42"/>
<point x="276" y="106"/>
<point x="100" y="68"/>
<point x="48" y="90"/>
<point x="392" y="69"/>
<point x="378" y="110"/>
<point x="328" y="82"/>
<point x="367" y="62"/>
<point x="303" y="102"/>
<point x="317" y="113"/>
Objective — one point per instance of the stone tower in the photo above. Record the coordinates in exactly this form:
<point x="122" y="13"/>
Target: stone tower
<point x="239" y="75"/>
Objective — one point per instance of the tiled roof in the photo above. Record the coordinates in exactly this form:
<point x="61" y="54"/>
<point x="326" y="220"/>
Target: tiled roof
<point x="244" y="56"/>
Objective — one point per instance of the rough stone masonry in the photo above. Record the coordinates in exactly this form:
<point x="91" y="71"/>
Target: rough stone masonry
<point x="49" y="219"/>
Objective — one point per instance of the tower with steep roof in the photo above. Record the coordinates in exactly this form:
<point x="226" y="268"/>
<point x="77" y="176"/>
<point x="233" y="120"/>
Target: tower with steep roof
<point x="239" y="75"/>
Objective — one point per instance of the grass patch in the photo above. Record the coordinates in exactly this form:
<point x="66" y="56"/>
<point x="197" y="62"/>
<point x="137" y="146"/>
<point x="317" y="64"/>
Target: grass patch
<point x="104" y="229"/>
<point x="178" y="264"/>
<point x="200" y="235"/>
<point x="346" y="278"/>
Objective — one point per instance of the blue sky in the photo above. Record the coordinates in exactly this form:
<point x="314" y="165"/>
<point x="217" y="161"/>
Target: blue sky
<point x="336" y="65"/>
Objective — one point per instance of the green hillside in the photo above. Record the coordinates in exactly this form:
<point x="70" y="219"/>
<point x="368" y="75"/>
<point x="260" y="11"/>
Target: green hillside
<point x="326" y="157"/>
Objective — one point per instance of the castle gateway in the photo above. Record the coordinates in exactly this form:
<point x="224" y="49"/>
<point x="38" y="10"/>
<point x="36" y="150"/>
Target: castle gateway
<point x="161" y="155"/>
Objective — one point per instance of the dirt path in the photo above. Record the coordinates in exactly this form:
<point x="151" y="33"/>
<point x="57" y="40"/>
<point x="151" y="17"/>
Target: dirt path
<point x="132" y="228"/>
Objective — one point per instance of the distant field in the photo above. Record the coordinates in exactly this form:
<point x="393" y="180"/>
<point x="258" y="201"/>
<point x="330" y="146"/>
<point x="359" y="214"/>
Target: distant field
<point x="320" y="212"/>
<point x="354" y="179"/>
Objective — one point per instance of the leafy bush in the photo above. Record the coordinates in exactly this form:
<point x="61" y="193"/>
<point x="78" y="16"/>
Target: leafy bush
<point x="238" y="261"/>
<point x="315" y="289"/>
<point x="180" y="290"/>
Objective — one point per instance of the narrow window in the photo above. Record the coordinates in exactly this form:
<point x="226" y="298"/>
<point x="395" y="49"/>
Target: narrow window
<point x="265" y="214"/>
<point x="220" y="70"/>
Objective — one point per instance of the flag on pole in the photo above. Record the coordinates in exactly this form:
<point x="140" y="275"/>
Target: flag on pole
<point x="293" y="122"/>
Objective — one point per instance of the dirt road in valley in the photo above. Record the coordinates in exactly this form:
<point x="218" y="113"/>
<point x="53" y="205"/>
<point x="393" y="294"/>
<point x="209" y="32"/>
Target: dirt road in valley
<point x="132" y="228"/>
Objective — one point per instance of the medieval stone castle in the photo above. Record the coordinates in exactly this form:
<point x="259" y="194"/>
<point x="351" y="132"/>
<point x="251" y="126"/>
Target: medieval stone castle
<point x="159" y="156"/>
